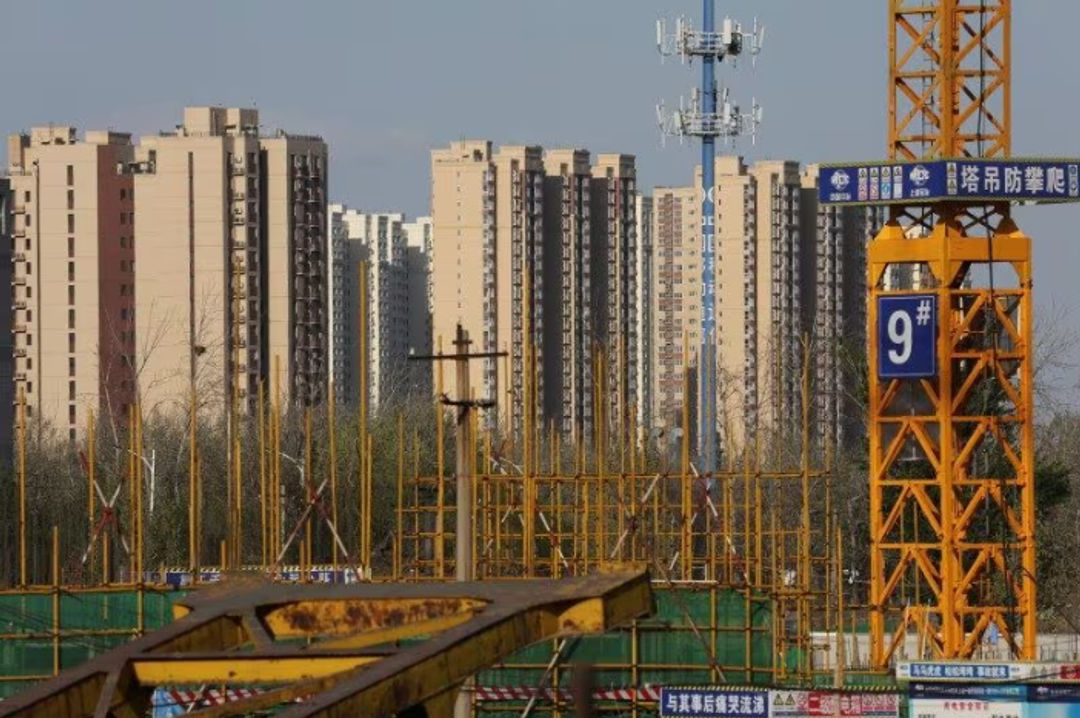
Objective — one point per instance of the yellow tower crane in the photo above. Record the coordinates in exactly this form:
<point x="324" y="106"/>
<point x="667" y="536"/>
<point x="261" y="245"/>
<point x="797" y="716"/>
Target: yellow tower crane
<point x="952" y="494"/>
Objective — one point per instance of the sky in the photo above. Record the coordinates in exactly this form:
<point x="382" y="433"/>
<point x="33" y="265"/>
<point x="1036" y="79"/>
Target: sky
<point x="385" y="81"/>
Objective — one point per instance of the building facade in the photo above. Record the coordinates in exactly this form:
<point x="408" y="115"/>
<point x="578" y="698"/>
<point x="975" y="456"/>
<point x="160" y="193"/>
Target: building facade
<point x="73" y="286"/>
<point x="420" y="301"/>
<point x="536" y="254"/>
<point x="7" y="356"/>
<point x="789" y="288"/>
<point x="569" y="318"/>
<point x="232" y="252"/>
<point x="642" y="397"/>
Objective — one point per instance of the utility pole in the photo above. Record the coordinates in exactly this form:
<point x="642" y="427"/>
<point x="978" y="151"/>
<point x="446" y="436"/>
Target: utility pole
<point x="465" y="405"/>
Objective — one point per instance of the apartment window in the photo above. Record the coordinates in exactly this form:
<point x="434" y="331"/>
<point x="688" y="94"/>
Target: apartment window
<point x="71" y="296"/>
<point x="71" y="319"/>
<point x="27" y="244"/>
<point x="71" y="224"/>
<point x="71" y="247"/>
<point x="123" y="218"/>
<point x="123" y="265"/>
<point x="71" y="435"/>
<point x="71" y="342"/>
<point x="71" y="366"/>
<point x="29" y="292"/>
<point x="29" y="315"/>
<point x="123" y="314"/>
<point x="131" y="218"/>
<point x="71" y="199"/>
<point x="123" y="241"/>
<point x="29" y="388"/>
<point x="29" y="268"/>
<point x="28" y="221"/>
<point x="71" y="390"/>
<point x="70" y="175"/>
<point x="71" y="271"/>
<point x="26" y="195"/>
<point x="71" y="414"/>
<point x="123" y="290"/>
<point x="123" y="193"/>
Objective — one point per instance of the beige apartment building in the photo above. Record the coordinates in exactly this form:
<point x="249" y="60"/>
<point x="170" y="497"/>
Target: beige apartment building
<point x="487" y="244"/>
<point x="555" y="227"/>
<point x="73" y="290"/>
<point x="615" y="248"/>
<point x="232" y="262"/>
<point x="786" y="270"/>
<point x="569" y="318"/>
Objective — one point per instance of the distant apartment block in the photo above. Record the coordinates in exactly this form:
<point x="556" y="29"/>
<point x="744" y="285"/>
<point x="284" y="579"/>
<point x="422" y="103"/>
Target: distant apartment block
<point x="420" y="303"/>
<point x="538" y="245"/>
<point x="375" y="244"/>
<point x="73" y="286"/>
<point x="642" y="397"/>
<point x="233" y="272"/>
<point x="787" y="270"/>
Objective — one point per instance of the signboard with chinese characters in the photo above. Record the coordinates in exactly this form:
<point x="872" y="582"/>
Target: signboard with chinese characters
<point x="964" y="672"/>
<point x="812" y="704"/>
<point x="968" y="180"/>
<point x="930" y="700"/>
<point x="709" y="702"/>
<point x="1055" y="701"/>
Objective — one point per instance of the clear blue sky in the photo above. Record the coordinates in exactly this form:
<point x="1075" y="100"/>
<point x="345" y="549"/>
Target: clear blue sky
<point x="384" y="81"/>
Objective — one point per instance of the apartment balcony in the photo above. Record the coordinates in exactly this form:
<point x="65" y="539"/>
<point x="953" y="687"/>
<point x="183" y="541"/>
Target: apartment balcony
<point x="19" y="351"/>
<point x="18" y="256"/>
<point x="19" y="304"/>
<point x="238" y="169"/>
<point x="19" y="328"/>
<point x="20" y="376"/>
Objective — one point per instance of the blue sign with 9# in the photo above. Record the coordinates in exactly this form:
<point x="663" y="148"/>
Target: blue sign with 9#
<point x="907" y="336"/>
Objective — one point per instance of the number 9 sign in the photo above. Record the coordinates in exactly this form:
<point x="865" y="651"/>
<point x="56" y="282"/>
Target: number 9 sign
<point x="907" y="336"/>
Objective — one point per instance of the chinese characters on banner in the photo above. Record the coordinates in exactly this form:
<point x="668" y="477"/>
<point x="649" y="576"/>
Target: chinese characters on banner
<point x="815" y="704"/>
<point x="959" y="179"/>
<point x="708" y="702"/>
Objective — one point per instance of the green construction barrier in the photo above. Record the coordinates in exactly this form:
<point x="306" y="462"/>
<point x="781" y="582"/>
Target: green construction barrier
<point x="91" y="623"/>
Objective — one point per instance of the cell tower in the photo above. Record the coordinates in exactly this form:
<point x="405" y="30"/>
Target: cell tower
<point x="708" y="119"/>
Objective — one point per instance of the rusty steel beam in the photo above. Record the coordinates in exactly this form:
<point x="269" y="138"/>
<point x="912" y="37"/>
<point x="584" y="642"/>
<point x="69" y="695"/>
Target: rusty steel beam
<point x="223" y="638"/>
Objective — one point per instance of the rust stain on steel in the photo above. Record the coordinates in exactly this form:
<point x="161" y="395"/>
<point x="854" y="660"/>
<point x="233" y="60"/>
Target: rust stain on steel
<point x="355" y="615"/>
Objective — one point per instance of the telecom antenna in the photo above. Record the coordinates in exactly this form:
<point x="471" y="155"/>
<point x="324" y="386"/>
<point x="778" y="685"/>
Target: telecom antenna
<point x="708" y="119"/>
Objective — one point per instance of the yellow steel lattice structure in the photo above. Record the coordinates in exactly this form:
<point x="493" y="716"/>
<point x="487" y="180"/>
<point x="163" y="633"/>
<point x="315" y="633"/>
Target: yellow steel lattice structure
<point x="950" y="78"/>
<point x="951" y="457"/>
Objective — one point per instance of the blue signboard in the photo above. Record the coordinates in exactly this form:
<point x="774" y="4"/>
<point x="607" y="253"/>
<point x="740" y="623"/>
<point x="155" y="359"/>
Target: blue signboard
<point x="907" y="339"/>
<point x="983" y="692"/>
<point x="707" y="702"/>
<point x="969" y="180"/>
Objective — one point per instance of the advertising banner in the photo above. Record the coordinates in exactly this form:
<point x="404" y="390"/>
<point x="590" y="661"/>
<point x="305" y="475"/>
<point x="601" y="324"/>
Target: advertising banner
<point x="824" y="704"/>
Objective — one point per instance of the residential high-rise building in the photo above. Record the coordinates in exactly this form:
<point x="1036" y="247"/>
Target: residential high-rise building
<point x="569" y="317"/>
<point x="418" y="266"/>
<point x="393" y="256"/>
<point x="380" y="243"/>
<point x="232" y="257"/>
<point x="463" y="261"/>
<point x="838" y="310"/>
<point x="487" y="256"/>
<point x="524" y="238"/>
<point x="343" y="292"/>
<point x="73" y="282"/>
<point x="614" y="256"/>
<point x="788" y="286"/>
<point x="7" y="357"/>
<point x="643" y="307"/>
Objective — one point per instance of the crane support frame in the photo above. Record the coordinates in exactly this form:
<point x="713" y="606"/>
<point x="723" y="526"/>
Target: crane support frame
<point x="224" y="637"/>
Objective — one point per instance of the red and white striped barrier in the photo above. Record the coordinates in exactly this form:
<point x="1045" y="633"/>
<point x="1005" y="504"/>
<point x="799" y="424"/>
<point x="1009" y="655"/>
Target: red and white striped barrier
<point x="524" y="693"/>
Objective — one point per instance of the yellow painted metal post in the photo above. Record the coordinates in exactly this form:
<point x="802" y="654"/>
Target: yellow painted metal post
<point x="22" y="492"/>
<point x="333" y="477"/>
<point x="56" y="599"/>
<point x="263" y="544"/>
